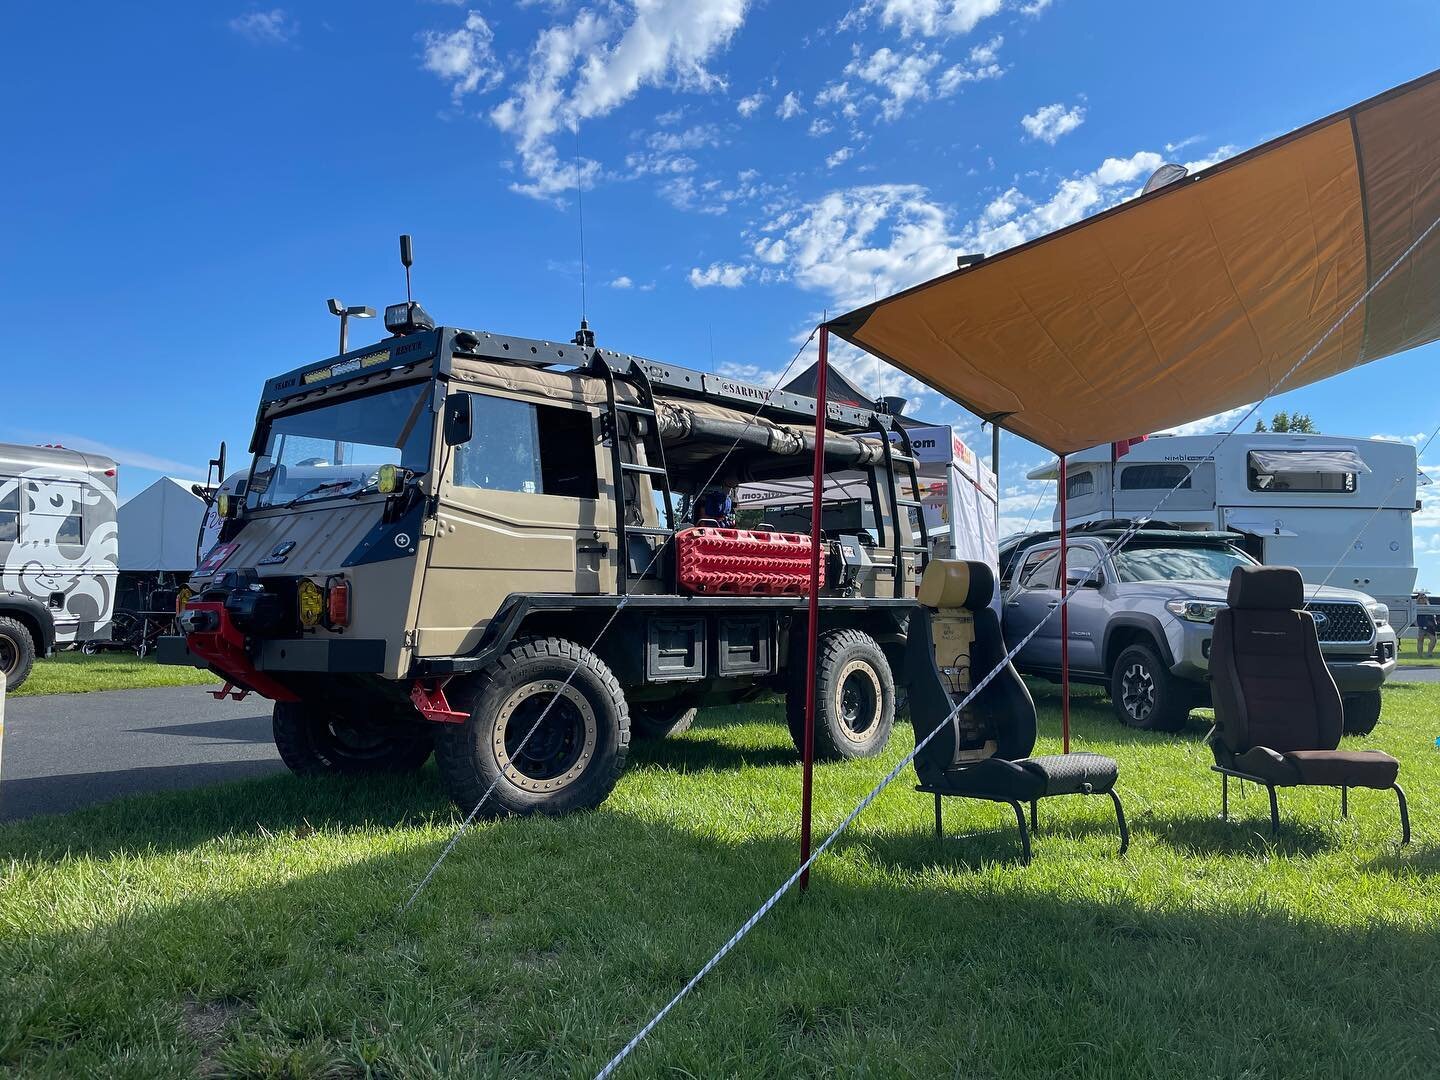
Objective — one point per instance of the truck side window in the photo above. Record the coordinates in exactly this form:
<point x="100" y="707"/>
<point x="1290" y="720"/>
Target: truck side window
<point x="1041" y="571"/>
<point x="54" y="510"/>
<point x="532" y="449"/>
<point x="9" y="510"/>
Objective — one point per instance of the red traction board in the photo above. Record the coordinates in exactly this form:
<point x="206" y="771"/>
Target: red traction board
<point x="744" y="562"/>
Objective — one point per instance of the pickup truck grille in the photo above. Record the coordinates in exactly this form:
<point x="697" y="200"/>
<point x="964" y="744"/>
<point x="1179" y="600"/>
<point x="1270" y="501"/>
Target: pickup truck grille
<point x="1344" y="622"/>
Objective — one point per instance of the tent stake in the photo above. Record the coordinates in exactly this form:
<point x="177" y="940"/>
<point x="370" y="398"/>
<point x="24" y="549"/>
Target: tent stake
<point x="812" y="628"/>
<point x="1064" y="616"/>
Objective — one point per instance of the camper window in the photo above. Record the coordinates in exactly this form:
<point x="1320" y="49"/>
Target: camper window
<point x="9" y="510"/>
<point x="53" y="509"/>
<point x="531" y="449"/>
<point x="1305" y="470"/>
<point x="1155" y="478"/>
<point x="1079" y="484"/>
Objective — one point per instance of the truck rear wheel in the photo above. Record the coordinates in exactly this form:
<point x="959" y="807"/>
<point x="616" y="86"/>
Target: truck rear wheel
<point x="1362" y="712"/>
<point x="570" y="761"/>
<point x="854" y="698"/>
<point x="17" y="653"/>
<point x="314" y="741"/>
<point x="660" y="721"/>
<point x="1145" y="695"/>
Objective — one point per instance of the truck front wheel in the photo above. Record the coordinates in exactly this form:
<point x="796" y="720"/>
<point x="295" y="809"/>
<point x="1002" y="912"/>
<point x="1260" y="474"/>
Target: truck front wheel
<point x="314" y="740"/>
<point x="1145" y="694"/>
<point x="548" y="732"/>
<point x="854" y="697"/>
<point x="1362" y="712"/>
<point x="17" y="652"/>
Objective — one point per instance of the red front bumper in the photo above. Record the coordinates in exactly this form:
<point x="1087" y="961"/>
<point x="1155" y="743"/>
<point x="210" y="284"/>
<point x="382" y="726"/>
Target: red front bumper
<point x="222" y="645"/>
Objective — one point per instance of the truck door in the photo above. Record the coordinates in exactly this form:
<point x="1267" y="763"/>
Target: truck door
<point x="519" y="513"/>
<point x="1036" y="593"/>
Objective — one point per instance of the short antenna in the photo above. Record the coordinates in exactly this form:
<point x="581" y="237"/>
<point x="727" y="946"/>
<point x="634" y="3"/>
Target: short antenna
<point x="407" y="259"/>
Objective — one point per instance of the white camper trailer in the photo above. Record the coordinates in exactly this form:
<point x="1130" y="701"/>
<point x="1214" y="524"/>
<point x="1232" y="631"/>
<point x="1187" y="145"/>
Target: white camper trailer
<point x="57" y="552"/>
<point x="957" y="490"/>
<point x="1339" y="509"/>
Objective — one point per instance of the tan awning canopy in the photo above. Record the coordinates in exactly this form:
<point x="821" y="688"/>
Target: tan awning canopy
<point x="1197" y="297"/>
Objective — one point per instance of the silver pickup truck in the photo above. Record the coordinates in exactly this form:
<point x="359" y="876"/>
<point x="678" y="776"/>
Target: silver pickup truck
<point x="1140" y="622"/>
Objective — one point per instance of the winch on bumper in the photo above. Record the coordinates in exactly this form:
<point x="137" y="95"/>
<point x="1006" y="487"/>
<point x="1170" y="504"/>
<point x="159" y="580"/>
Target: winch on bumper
<point x="244" y="628"/>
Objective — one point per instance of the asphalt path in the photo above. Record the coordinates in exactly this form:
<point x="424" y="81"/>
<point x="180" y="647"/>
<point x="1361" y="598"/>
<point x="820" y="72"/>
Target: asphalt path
<point x="1416" y="674"/>
<point x="65" y="751"/>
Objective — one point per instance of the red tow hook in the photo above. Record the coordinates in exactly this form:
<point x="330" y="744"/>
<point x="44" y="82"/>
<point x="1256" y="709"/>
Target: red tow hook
<point x="212" y="636"/>
<point x="432" y="703"/>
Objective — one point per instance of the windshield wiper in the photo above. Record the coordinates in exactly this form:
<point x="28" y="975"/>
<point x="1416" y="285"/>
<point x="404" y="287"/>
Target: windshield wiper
<point x="316" y="491"/>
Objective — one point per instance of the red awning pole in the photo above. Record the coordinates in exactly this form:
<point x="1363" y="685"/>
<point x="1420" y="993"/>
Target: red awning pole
<point x="812" y="628"/>
<point x="1064" y="617"/>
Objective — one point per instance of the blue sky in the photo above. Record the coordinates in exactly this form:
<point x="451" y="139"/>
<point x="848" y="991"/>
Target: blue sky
<point x="189" y="182"/>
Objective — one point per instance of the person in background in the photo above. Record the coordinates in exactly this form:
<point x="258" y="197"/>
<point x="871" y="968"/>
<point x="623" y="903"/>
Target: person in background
<point x="716" y="505"/>
<point x="1427" y="626"/>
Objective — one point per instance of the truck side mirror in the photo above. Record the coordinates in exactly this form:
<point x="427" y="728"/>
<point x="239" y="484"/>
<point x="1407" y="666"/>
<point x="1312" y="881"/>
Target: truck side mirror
<point x="459" y="421"/>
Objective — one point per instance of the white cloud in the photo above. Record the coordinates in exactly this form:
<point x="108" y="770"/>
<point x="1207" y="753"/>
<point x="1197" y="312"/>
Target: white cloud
<point x="1050" y="122"/>
<point x="932" y="18"/>
<point x="1208" y="425"/>
<point x="1414" y="440"/>
<point x="693" y="138"/>
<point x="594" y="64"/>
<point x="725" y="275"/>
<point x="820" y="126"/>
<point x="902" y="76"/>
<point x="464" y="58"/>
<point x="124" y="455"/>
<point x="839" y="157"/>
<point x="747" y="106"/>
<point x="789" y="106"/>
<point x="273" y="27"/>
<point x="622" y="282"/>
<point x="983" y="64"/>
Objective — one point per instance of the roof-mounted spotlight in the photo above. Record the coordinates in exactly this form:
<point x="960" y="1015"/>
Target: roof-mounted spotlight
<point x="357" y="311"/>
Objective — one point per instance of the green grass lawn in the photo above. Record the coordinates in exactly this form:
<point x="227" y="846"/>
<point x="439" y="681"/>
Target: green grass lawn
<point x="1408" y="654"/>
<point x="76" y="673"/>
<point x="251" y="929"/>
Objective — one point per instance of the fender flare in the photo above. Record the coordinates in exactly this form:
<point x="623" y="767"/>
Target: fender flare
<point x="1137" y="620"/>
<point x="32" y="611"/>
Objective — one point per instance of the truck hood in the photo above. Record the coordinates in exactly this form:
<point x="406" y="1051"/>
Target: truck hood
<point x="1210" y="589"/>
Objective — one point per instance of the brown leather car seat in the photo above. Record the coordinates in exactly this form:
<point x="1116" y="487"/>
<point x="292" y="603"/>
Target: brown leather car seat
<point x="1278" y="716"/>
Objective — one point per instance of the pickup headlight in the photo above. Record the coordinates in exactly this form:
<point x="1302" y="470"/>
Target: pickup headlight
<point x="1203" y="611"/>
<point x="1379" y="612"/>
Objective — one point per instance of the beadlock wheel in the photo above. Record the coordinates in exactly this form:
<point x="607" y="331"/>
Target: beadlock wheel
<point x="544" y="736"/>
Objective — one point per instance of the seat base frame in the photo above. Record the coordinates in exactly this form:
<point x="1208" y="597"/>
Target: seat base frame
<point x="1034" y="826"/>
<point x="1269" y="786"/>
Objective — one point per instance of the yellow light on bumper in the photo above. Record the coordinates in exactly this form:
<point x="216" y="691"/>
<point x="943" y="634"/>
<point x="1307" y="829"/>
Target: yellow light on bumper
<point x="183" y="597"/>
<point x="310" y="601"/>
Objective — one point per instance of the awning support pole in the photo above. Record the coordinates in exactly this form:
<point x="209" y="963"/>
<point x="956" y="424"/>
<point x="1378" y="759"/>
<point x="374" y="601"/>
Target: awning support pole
<point x="1064" y="615"/>
<point x="812" y="628"/>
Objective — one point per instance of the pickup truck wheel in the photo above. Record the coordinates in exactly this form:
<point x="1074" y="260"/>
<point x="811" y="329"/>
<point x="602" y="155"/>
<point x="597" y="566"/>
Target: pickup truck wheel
<point x="1362" y="712"/>
<point x="854" y="698"/>
<point x="660" y="721"/>
<point x="315" y="741"/>
<point x="570" y="761"/>
<point x="1145" y="695"/>
<point x="17" y="653"/>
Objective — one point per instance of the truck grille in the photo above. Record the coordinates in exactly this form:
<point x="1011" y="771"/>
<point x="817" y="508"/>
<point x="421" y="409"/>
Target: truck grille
<point x="1342" y="623"/>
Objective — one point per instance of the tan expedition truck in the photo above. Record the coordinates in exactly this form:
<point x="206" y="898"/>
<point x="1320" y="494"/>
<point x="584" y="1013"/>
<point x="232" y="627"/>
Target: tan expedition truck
<point x="442" y="532"/>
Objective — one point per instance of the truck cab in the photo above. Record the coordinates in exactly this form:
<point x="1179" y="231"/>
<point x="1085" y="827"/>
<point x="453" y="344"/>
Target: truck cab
<point x="497" y="549"/>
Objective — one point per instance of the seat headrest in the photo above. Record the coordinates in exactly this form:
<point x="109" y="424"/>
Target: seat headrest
<point x="1266" y="588"/>
<point x="952" y="583"/>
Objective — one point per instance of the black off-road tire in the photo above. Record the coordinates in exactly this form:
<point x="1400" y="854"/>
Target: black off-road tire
<point x="1362" y="712"/>
<point x="1145" y="695"/>
<point x="660" y="721"/>
<point x="854" y="697"/>
<point x="316" y="741"/>
<point x="571" y="762"/>
<point x="17" y="653"/>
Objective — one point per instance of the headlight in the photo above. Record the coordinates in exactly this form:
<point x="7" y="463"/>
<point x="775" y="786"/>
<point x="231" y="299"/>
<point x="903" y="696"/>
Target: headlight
<point x="224" y="504"/>
<point x="310" y="602"/>
<point x="389" y="479"/>
<point x="1379" y="612"/>
<point x="1196" y="610"/>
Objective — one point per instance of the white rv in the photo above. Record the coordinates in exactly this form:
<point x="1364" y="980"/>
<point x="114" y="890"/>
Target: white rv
<point x="57" y="552"/>
<point x="1339" y="509"/>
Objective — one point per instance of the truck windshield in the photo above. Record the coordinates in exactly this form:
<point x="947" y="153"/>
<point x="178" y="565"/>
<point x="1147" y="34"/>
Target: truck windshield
<point x="1179" y="563"/>
<point x="335" y="450"/>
